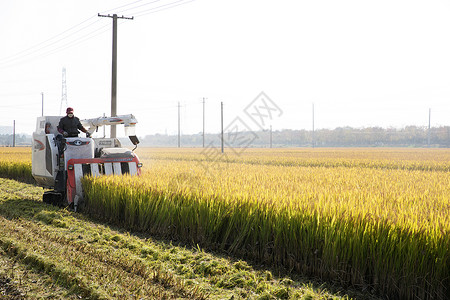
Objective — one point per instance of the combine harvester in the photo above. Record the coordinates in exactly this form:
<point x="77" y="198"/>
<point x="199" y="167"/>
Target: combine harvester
<point x="59" y="163"/>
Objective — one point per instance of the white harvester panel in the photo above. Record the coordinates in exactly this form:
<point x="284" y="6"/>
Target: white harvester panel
<point x="108" y="169"/>
<point x="78" y="175"/>
<point x="78" y="148"/>
<point x="47" y="125"/>
<point x="95" y="170"/>
<point x="44" y="151"/>
<point x="117" y="168"/>
<point x="44" y="159"/>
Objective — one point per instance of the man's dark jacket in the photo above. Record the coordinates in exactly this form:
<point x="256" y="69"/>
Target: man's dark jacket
<point x="70" y="125"/>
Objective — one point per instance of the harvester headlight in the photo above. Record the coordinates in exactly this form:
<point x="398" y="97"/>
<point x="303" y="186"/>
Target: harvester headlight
<point x="70" y="167"/>
<point x="139" y="165"/>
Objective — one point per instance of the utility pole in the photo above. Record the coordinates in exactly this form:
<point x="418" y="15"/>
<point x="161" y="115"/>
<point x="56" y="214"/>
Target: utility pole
<point x="313" y="138"/>
<point x="179" y="127"/>
<point x="203" y="122"/>
<point x="14" y="133"/>
<point x="42" y="94"/>
<point x="270" y="136"/>
<point x="221" y="123"/>
<point x="114" y="68"/>
<point x="429" y="126"/>
<point x="63" y="91"/>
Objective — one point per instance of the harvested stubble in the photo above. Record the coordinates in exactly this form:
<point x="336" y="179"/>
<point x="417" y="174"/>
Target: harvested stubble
<point x="379" y="228"/>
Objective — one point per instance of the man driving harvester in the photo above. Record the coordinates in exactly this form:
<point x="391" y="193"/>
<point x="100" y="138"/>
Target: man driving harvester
<point x="69" y="125"/>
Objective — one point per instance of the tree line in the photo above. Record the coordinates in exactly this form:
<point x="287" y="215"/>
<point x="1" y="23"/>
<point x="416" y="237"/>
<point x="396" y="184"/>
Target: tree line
<point x="20" y="140"/>
<point x="409" y="136"/>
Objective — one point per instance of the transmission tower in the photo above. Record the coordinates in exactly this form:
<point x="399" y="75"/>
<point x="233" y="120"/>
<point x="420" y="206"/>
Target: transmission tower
<point x="64" y="91"/>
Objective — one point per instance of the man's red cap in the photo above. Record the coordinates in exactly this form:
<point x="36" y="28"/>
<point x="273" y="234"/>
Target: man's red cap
<point x="69" y="110"/>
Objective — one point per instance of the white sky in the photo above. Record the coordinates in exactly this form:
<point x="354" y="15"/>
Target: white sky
<point x="362" y="63"/>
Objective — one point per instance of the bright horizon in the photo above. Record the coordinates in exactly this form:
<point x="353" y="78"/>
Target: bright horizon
<point x="361" y="63"/>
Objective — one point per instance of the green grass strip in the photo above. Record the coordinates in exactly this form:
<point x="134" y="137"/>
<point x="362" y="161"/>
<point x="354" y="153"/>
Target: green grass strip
<point x="63" y="275"/>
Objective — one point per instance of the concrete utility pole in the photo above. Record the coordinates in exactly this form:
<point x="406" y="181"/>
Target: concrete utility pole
<point x="270" y="136"/>
<point x="114" y="68"/>
<point x="63" y="92"/>
<point x="14" y="133"/>
<point x="203" y="122"/>
<point x="313" y="138"/>
<point x="429" y="126"/>
<point x="221" y="123"/>
<point x="179" y="127"/>
<point x="42" y="94"/>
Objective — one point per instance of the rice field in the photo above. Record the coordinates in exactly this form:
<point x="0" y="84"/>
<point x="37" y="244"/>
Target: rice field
<point x="15" y="163"/>
<point x="377" y="219"/>
<point x="374" y="219"/>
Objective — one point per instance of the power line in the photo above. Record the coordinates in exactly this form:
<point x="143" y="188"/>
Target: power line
<point x="47" y="40"/>
<point x="128" y="9"/>
<point x="77" y="41"/>
<point x="153" y="10"/>
<point x="33" y="52"/>
<point x="34" y="49"/>
<point x="21" y="55"/>
<point x="117" y="8"/>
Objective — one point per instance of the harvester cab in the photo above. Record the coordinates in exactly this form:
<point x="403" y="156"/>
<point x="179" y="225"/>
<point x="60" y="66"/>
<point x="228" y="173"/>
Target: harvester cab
<point x="59" y="163"/>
